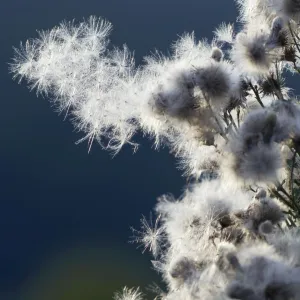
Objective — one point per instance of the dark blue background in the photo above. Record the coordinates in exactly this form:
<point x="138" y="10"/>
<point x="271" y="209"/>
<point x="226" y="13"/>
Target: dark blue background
<point x="65" y="214"/>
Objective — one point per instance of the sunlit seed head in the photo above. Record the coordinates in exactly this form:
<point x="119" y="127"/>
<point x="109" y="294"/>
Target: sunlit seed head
<point x="260" y="194"/>
<point x="182" y="269"/>
<point x="214" y="82"/>
<point x="277" y="24"/>
<point x="216" y="54"/>
<point x="251" y="54"/>
<point x="262" y="163"/>
<point x="266" y="228"/>
<point x="150" y="236"/>
<point x="129" y="294"/>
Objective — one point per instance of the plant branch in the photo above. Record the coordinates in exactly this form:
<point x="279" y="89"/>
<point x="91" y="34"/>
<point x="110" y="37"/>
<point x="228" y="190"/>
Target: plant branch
<point x="256" y="93"/>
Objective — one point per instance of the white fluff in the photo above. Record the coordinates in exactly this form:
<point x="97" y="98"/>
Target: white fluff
<point x="225" y="237"/>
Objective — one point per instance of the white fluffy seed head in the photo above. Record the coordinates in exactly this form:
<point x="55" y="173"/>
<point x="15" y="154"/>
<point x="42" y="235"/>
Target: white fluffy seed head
<point x="252" y="10"/>
<point x="190" y="222"/>
<point x="255" y="154"/>
<point x="150" y="236"/>
<point x="183" y="270"/>
<point x="224" y="33"/>
<point x="129" y="294"/>
<point x="260" y="164"/>
<point x="216" y="54"/>
<point x="287" y="244"/>
<point x="288" y="113"/>
<point x="264" y="273"/>
<point x="212" y="81"/>
<point x="71" y="64"/>
<point x="264" y="209"/>
<point x="277" y="24"/>
<point x="103" y="92"/>
<point x="260" y="194"/>
<point x="266" y="228"/>
<point x="174" y="94"/>
<point x="272" y="124"/>
<point x="218" y="81"/>
<point x="278" y="36"/>
<point x="250" y="53"/>
<point x="225" y="257"/>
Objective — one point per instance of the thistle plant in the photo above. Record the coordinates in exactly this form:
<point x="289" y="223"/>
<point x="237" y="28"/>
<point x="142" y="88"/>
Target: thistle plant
<point x="224" y="110"/>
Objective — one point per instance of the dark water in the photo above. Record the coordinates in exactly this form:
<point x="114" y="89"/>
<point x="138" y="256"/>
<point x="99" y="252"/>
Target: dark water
<point x="64" y="213"/>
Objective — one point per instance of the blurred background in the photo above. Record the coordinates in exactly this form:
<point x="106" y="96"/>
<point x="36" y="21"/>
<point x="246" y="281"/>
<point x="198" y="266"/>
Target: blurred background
<point x="65" y="215"/>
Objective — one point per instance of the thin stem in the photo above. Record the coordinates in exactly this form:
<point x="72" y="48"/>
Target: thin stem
<point x="292" y="214"/>
<point x="256" y="94"/>
<point x="223" y="135"/>
<point x="293" y="204"/>
<point x="225" y="118"/>
<point x="289" y="212"/>
<point x="281" y="198"/>
<point x="232" y="121"/>
<point x="280" y="188"/>
<point x="295" y="67"/>
<point x="252" y="189"/>
<point x="278" y="225"/>
<point x="277" y="91"/>
<point x="287" y="224"/>
<point x="294" y="38"/>
<point x="292" y="222"/>
<point x="291" y="183"/>
<point x="238" y="116"/>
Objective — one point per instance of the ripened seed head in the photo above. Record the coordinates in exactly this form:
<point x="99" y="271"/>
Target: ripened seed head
<point x="216" y="54"/>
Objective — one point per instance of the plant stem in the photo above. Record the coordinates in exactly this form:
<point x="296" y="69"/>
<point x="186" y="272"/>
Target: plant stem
<point x="256" y="94"/>
<point x="291" y="183"/>
<point x="294" y="38"/>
